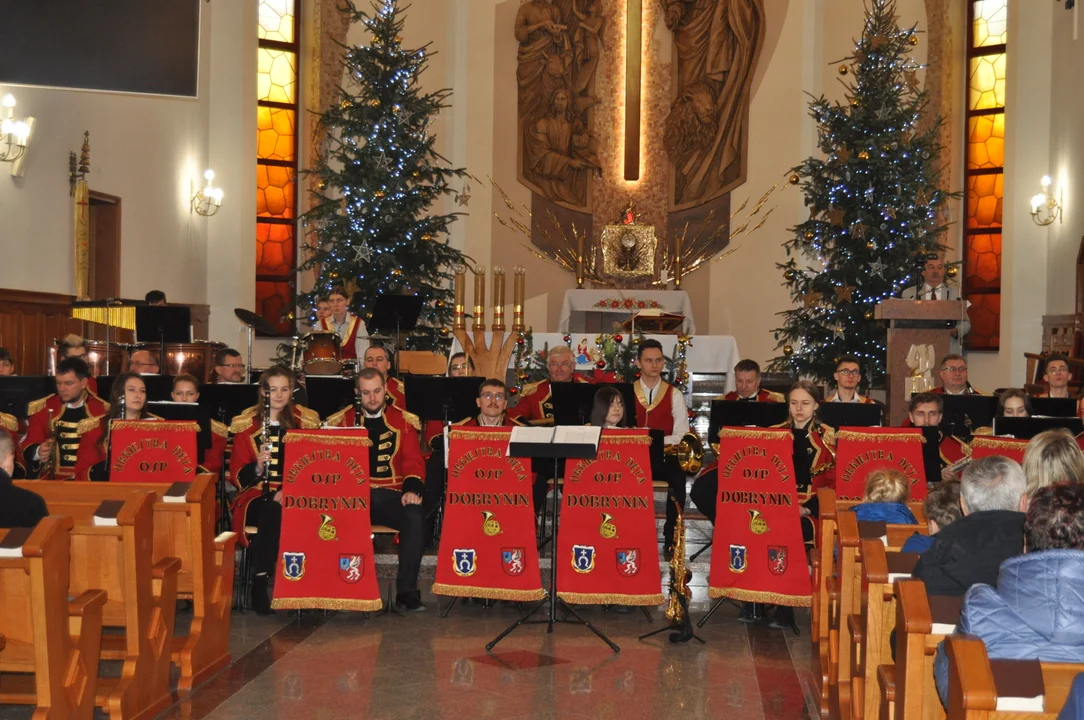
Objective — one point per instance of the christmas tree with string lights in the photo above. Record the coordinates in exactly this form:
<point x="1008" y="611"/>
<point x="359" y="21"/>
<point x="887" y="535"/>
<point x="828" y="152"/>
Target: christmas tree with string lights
<point x="373" y="226"/>
<point x="875" y="206"/>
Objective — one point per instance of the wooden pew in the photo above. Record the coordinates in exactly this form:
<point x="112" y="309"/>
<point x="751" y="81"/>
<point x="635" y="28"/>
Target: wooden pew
<point x="973" y="694"/>
<point x="54" y="642"/>
<point x="184" y="531"/>
<point x="909" y="681"/>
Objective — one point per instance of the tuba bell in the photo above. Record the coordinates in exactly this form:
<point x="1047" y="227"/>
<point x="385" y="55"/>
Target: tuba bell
<point x="689" y="452"/>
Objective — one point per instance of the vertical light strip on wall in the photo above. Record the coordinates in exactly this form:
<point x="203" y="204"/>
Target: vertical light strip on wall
<point x="984" y="169"/>
<point x="277" y="161"/>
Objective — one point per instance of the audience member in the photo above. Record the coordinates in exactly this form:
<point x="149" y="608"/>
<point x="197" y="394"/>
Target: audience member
<point x="942" y="506"/>
<point x="18" y="507"/>
<point x="1035" y="609"/>
<point x="885" y="499"/>
<point x="1014" y="402"/>
<point x="7" y="365"/>
<point x="971" y="550"/>
<point x="1052" y="457"/>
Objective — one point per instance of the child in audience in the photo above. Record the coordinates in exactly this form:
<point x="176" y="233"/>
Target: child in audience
<point x="1052" y="457"/>
<point x="885" y="499"/>
<point x="942" y="507"/>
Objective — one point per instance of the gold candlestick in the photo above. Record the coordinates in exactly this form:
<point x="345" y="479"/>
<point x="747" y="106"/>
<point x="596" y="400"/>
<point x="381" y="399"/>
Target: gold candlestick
<point x="580" y="237"/>
<point x="480" y="299"/>
<point x="459" y="286"/>
<point x="518" y="296"/>
<point x="498" y="299"/>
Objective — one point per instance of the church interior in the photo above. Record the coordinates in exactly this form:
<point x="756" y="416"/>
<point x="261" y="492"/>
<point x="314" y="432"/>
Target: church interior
<point x="308" y="206"/>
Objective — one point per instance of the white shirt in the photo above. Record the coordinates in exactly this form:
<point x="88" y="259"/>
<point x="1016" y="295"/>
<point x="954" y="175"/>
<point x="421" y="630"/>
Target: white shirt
<point x="678" y="409"/>
<point x="361" y="340"/>
<point x="836" y="398"/>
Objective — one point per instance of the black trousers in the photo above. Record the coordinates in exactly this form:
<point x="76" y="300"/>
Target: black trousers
<point x="385" y="508"/>
<point x="675" y="481"/>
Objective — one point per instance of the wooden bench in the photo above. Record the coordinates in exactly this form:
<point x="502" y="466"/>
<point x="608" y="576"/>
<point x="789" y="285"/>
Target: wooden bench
<point x="183" y="530"/>
<point x="52" y="642"/>
<point x="973" y="694"/>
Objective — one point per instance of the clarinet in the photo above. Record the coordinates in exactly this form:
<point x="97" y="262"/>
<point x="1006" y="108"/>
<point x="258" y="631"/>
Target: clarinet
<point x="121" y="415"/>
<point x="358" y="414"/>
<point x="265" y="435"/>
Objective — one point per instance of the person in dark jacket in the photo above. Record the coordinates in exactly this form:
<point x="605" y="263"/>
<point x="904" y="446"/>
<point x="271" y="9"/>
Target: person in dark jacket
<point x="19" y="508"/>
<point x="885" y="498"/>
<point x="942" y="506"/>
<point x="1036" y="609"/>
<point x="970" y="550"/>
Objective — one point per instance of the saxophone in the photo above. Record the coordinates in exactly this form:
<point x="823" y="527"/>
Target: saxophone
<point x="677" y="607"/>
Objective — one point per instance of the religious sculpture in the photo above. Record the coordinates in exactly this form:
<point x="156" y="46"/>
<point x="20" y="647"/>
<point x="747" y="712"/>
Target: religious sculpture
<point x="716" y="43"/>
<point x="559" y="46"/>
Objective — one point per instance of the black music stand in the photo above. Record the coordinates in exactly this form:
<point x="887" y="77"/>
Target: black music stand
<point x="552" y="451"/>
<point x="735" y="413"/>
<point x="169" y="410"/>
<point x="573" y="402"/>
<point x="395" y="312"/>
<point x="837" y="415"/>
<point x="964" y="414"/>
<point x="1053" y="407"/>
<point x="328" y="394"/>
<point x="159" y="387"/>
<point x="18" y="391"/>
<point x="224" y="402"/>
<point x="448" y="399"/>
<point x="163" y="324"/>
<point x="1026" y="428"/>
<point x="931" y="453"/>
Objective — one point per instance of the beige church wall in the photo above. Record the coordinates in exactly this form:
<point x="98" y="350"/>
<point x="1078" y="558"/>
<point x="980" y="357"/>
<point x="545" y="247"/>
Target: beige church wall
<point x="145" y="150"/>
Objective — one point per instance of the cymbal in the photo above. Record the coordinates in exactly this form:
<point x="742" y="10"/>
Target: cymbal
<point x="254" y="321"/>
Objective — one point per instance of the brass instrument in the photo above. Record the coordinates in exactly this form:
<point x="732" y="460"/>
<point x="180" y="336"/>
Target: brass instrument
<point x="265" y="435"/>
<point x="689" y="452"/>
<point x="680" y="592"/>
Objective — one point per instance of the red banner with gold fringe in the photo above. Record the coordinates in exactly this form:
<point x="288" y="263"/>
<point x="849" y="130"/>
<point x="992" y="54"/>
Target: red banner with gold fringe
<point x="861" y="450"/>
<point x="757" y="549"/>
<point x="326" y="551"/>
<point x="607" y="551"/>
<point x="487" y="543"/>
<point x="983" y="445"/>
<point x="153" y="451"/>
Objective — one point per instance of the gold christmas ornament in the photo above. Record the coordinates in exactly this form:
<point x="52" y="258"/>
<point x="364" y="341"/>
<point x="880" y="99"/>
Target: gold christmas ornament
<point x="913" y="40"/>
<point x="322" y="184"/>
<point x="375" y="102"/>
<point x="871" y="245"/>
<point x="427" y="237"/>
<point x="863" y="155"/>
<point x="378" y="194"/>
<point x="843" y="70"/>
<point x="788" y="350"/>
<point x="790" y="274"/>
<point x="794" y="179"/>
<point x="346" y="105"/>
<point x="952" y="271"/>
<point x="809" y="235"/>
<point x="868" y="315"/>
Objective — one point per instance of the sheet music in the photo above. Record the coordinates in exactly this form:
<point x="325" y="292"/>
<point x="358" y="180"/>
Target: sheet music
<point x="538" y="435"/>
<point x="577" y="435"/>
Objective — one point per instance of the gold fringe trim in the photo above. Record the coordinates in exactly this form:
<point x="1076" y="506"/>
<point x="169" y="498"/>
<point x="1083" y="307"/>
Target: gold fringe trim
<point x="167" y="426"/>
<point x="610" y="599"/>
<point x="760" y="596"/>
<point x="472" y="434"/>
<point x="219" y="428"/>
<point x="317" y="603"/>
<point x="413" y="420"/>
<point x="36" y="406"/>
<point x="750" y="434"/>
<point x="9" y="422"/>
<point x="992" y="443"/>
<point x="853" y="435"/>
<point x="328" y="439"/>
<point x="627" y="439"/>
<point x="488" y="593"/>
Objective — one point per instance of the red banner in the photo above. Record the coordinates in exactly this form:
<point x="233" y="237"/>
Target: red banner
<point x="487" y="543"/>
<point x="861" y="450"/>
<point x="983" y="445"/>
<point x="607" y="551"/>
<point x="757" y="548"/>
<point x="152" y="451"/>
<point x="326" y="551"/>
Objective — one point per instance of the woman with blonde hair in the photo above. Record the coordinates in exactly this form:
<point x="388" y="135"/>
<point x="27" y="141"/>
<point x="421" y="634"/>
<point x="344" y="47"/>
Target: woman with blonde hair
<point x="886" y="496"/>
<point x="1052" y="457"/>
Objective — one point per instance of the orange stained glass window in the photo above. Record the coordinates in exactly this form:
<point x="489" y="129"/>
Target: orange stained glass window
<point x="990" y="25"/>
<point x="986" y="141"/>
<point x="986" y="83"/>
<point x="274" y="302"/>
<point x="983" y="261"/>
<point x="275" y="193"/>
<point x="277" y="20"/>
<point x="985" y="317"/>
<point x="985" y="195"/>
<point x="274" y="249"/>
<point x="275" y="134"/>
<point x="277" y="76"/>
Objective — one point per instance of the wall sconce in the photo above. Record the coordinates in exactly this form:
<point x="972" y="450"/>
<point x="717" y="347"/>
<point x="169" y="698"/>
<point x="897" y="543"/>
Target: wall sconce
<point x="14" y="135"/>
<point x="208" y="199"/>
<point x="1045" y="208"/>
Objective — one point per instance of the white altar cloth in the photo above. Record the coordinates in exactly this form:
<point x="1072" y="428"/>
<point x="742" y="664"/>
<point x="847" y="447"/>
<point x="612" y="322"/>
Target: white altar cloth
<point x="672" y="301"/>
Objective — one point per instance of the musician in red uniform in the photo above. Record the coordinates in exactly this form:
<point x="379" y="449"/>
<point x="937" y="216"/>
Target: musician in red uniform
<point x="256" y="469"/>
<point x="353" y="335"/>
<point x="659" y="406"/>
<point x="747" y="382"/>
<point x="52" y="437"/>
<point x="186" y="390"/>
<point x="1056" y="376"/>
<point x="848" y="375"/>
<point x="954" y="377"/>
<point x="535" y="406"/>
<point x="925" y="410"/>
<point x="379" y="357"/>
<point x="128" y="392"/>
<point x="397" y="474"/>
<point x="9" y="424"/>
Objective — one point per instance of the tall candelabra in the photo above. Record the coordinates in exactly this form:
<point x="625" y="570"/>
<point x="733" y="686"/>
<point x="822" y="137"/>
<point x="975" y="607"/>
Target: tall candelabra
<point x="490" y="359"/>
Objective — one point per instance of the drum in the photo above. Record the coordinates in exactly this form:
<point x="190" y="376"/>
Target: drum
<point x="323" y="356"/>
<point x="96" y="354"/>
<point x="195" y="358"/>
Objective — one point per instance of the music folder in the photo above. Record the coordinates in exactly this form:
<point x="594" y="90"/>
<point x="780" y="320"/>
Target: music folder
<point x="159" y="323"/>
<point x="1053" y="407"/>
<point x="1025" y="428"/>
<point x="169" y="410"/>
<point x="735" y="413"/>
<point x="18" y="391"/>
<point x="328" y="394"/>
<point x="837" y="414"/>
<point x="573" y="402"/>
<point x="225" y="401"/>
<point x="437" y="398"/>
<point x="563" y="441"/>
<point x="964" y="414"/>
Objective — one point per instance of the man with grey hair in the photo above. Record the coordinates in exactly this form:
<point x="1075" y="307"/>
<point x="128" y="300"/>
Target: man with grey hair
<point x="18" y="507"/>
<point x="971" y="550"/>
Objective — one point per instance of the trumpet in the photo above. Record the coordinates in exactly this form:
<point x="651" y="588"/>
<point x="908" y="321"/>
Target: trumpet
<point x="689" y="452"/>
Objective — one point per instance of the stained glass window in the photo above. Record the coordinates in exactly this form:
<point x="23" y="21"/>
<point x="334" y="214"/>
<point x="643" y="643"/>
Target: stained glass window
<point x="984" y="170"/>
<point x="277" y="161"/>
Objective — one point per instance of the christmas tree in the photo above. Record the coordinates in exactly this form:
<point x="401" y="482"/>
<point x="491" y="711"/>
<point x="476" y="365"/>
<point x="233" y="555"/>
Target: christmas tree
<point x="371" y="227"/>
<point x="875" y="206"/>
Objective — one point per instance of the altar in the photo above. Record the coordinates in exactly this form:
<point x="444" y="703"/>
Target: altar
<point x="610" y="305"/>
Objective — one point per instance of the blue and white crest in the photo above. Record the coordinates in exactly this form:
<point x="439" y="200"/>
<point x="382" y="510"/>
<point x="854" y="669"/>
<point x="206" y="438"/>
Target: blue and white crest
<point x="464" y="562"/>
<point x="738" y="560"/>
<point x="293" y="565"/>
<point x="583" y="558"/>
